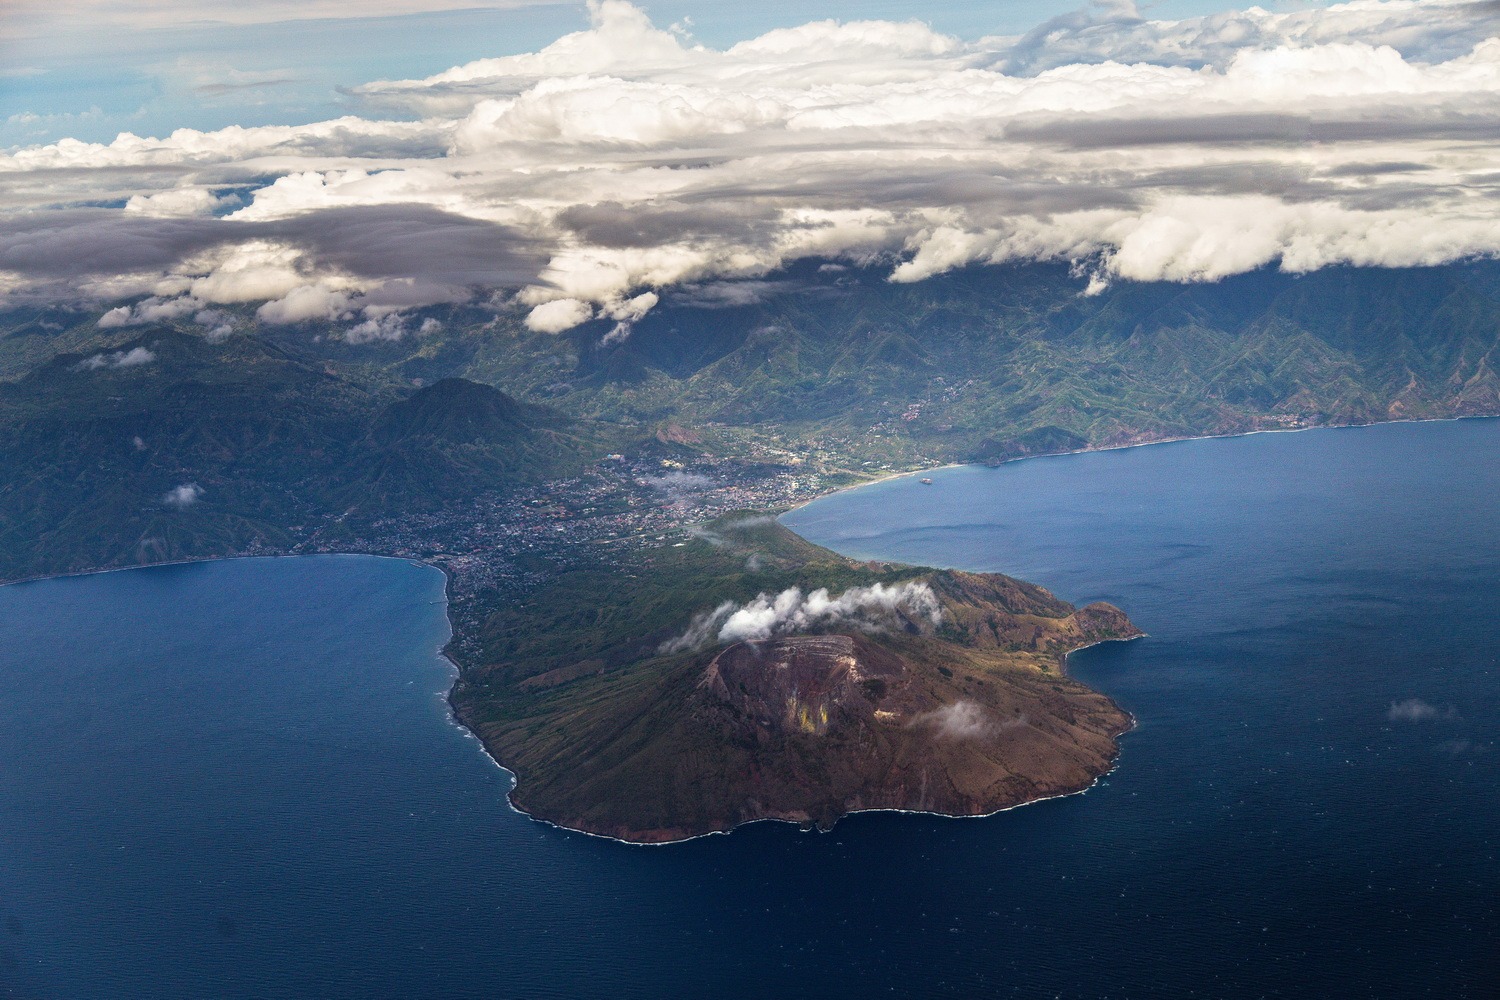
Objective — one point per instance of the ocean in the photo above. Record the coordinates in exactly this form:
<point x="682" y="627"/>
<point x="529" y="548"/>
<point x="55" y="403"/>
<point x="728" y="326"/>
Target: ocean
<point x="240" y="780"/>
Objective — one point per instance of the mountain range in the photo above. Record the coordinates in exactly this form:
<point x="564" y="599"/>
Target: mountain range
<point x="834" y="369"/>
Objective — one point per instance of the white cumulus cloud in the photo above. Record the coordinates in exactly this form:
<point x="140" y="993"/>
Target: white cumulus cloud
<point x="183" y="496"/>
<point x="623" y="160"/>
<point x="133" y="358"/>
<point x="791" y="611"/>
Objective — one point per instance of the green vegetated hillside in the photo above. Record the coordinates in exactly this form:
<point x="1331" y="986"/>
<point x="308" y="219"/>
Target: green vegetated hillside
<point x="614" y="729"/>
<point x="167" y="446"/>
<point x="994" y="363"/>
<point x="289" y="424"/>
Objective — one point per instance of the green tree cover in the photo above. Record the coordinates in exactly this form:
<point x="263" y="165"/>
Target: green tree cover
<point x="272" y="440"/>
<point x="283" y="425"/>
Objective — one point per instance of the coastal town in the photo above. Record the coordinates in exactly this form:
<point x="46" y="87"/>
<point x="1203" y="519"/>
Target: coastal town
<point x="501" y="544"/>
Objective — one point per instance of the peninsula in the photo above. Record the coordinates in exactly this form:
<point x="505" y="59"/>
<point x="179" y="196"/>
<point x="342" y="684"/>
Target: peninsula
<point x="748" y="674"/>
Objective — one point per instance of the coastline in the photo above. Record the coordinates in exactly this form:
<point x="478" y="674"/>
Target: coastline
<point x="1131" y="723"/>
<point x="456" y="670"/>
<point x="455" y="719"/>
<point x="1152" y="443"/>
<point x="804" y="827"/>
<point x="886" y="477"/>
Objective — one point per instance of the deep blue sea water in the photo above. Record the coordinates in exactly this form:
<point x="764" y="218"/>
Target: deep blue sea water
<point x="238" y="779"/>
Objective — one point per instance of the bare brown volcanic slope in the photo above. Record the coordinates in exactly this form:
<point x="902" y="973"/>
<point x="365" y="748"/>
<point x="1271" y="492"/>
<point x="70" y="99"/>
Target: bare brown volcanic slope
<point x="751" y="675"/>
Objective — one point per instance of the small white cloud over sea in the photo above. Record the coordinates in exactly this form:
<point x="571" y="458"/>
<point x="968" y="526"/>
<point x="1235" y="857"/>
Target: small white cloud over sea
<point x="1417" y="710"/>
<point x="183" y="496"/>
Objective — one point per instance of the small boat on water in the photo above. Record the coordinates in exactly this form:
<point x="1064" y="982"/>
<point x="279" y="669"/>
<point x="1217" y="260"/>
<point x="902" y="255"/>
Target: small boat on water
<point x="925" y="482"/>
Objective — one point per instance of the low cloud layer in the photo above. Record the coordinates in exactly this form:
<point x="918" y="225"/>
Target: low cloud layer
<point x="867" y="609"/>
<point x="621" y="161"/>
<point x="133" y="358"/>
<point x="354" y="263"/>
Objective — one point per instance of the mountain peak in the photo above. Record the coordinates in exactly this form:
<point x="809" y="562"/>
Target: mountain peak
<point x="454" y="410"/>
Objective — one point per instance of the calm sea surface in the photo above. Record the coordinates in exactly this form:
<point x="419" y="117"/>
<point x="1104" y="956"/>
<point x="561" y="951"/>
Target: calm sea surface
<point x="239" y="779"/>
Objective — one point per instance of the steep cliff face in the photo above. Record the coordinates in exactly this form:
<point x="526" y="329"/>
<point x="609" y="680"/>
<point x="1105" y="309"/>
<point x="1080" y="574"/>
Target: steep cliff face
<point x="990" y="611"/>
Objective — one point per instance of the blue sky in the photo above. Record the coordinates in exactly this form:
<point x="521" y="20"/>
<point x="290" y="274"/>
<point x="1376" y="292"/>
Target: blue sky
<point x="87" y="70"/>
